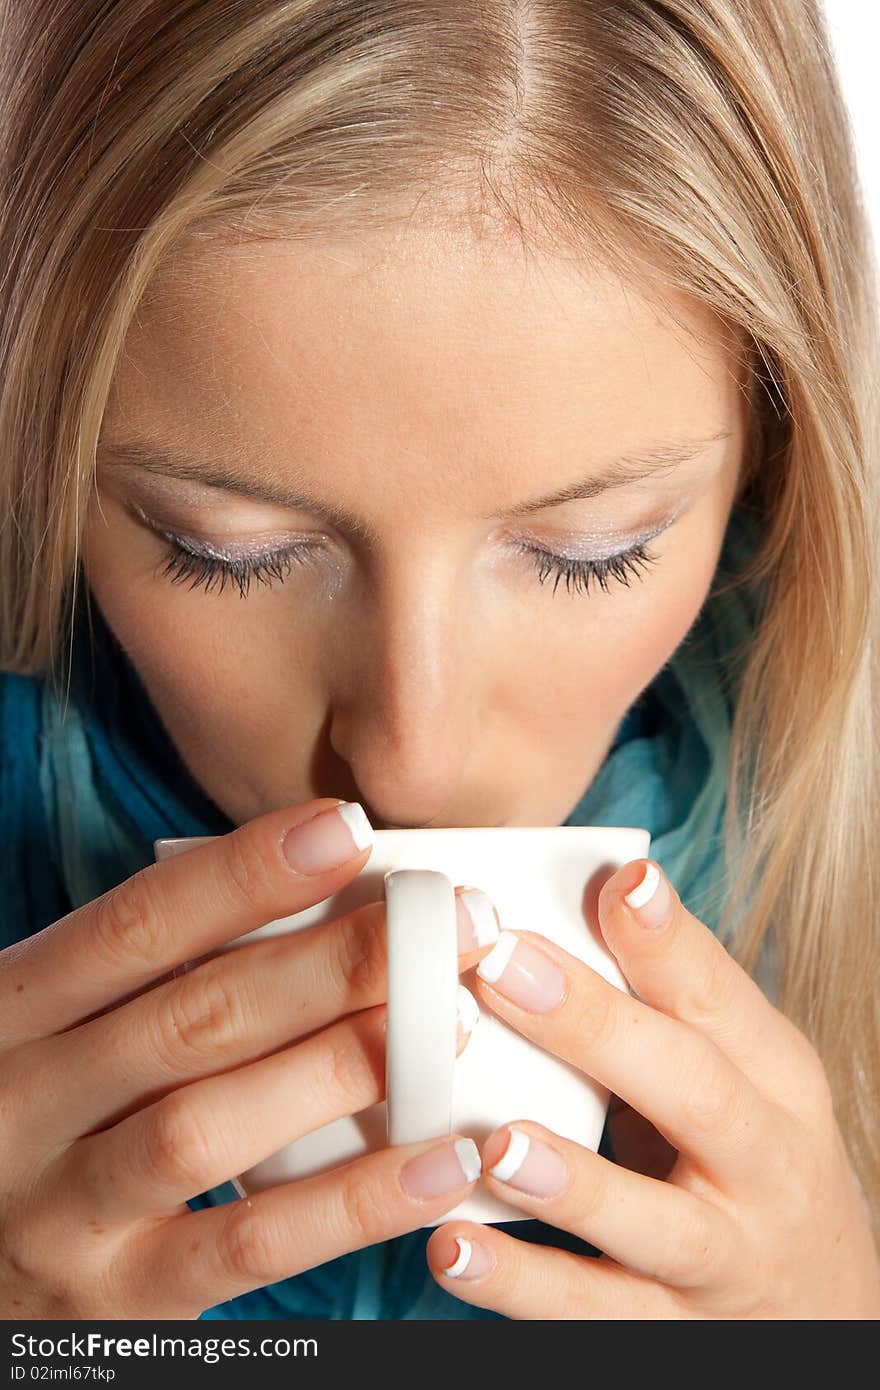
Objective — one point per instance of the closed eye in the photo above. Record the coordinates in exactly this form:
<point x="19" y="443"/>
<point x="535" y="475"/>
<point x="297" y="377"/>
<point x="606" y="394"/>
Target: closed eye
<point x="214" y="570"/>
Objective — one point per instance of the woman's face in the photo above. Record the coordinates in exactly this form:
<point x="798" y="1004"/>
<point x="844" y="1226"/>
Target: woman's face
<point x="387" y="417"/>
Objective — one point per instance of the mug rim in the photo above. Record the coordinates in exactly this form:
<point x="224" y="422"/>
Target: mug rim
<point x="460" y="829"/>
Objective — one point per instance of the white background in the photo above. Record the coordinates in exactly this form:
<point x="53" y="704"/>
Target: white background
<point x="854" y="27"/>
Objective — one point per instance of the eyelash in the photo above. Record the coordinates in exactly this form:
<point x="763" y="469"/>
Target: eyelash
<point x="182" y="563"/>
<point x="577" y="573"/>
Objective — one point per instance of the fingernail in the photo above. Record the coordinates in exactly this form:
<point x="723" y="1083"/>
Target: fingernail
<point x="471" y="1261"/>
<point x="467" y="1014"/>
<point x="651" y="899"/>
<point x="530" y="1166"/>
<point x="441" y="1169"/>
<point x="329" y="839"/>
<point x="477" y="920"/>
<point x="522" y="972"/>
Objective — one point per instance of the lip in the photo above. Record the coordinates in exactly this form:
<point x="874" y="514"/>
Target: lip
<point x="380" y="825"/>
<point x="390" y="825"/>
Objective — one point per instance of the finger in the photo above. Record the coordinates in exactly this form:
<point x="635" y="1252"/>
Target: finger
<point x="232" y="1009"/>
<point x="206" y="1257"/>
<point x="652" y="1228"/>
<point x="670" y="1073"/>
<point x="175" y="911"/>
<point x="675" y="964"/>
<point x="206" y="1133"/>
<point x="488" y="1269"/>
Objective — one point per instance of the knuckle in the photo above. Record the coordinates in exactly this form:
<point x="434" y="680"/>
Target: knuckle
<point x="817" y="1086"/>
<point x="578" y="1291"/>
<point x="251" y="868"/>
<point x="715" y="995"/>
<point x="248" y="1246"/>
<point x="200" y="1016"/>
<point x="592" y="1195"/>
<point x="801" y="1174"/>
<point x="810" y="1177"/>
<point x="127" y="922"/>
<point x="361" y="956"/>
<point x="711" y="1102"/>
<point x="87" y="1158"/>
<point x="175" y="1143"/>
<point x="37" y="1257"/>
<point x="363" y="1211"/>
<point x="597" y="1019"/>
<point x="690" y="1259"/>
<point x="32" y="1233"/>
<point x="347" y="1076"/>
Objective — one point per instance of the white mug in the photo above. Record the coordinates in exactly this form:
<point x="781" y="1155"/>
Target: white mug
<point x="544" y="879"/>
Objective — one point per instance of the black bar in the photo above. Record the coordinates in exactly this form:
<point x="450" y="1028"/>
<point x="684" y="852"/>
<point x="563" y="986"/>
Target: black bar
<point x="129" y="1354"/>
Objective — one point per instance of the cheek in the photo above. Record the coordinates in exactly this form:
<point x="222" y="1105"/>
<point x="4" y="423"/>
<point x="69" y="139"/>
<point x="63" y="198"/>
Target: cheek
<point x="220" y="679"/>
<point x="603" y="650"/>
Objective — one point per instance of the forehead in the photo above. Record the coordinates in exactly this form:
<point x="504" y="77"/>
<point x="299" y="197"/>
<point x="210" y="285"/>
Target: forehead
<point x="418" y="342"/>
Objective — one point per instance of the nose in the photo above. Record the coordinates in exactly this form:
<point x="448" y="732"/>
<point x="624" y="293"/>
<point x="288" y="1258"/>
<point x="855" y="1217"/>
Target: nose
<point x="404" y="703"/>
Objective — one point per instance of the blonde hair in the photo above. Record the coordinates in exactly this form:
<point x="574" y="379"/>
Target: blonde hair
<point x="705" y="144"/>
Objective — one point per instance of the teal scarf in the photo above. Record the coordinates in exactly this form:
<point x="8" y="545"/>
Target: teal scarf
<point x="84" y="791"/>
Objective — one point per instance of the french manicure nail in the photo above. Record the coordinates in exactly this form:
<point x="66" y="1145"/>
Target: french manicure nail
<point x="651" y="899"/>
<point x="329" y="839"/>
<point x="530" y="1166"/>
<point x="523" y="973"/>
<point x="467" y="1013"/>
<point x="477" y="920"/>
<point x="471" y="1261"/>
<point x="441" y="1169"/>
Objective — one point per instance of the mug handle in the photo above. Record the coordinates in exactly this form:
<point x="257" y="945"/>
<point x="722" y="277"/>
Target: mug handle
<point x="422" y="994"/>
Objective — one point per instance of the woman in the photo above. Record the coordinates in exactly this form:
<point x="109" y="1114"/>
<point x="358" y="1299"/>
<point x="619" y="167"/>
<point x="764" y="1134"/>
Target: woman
<point x="330" y="335"/>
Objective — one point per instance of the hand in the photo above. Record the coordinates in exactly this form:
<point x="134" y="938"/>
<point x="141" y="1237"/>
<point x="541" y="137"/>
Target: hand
<point x="122" y="1094"/>
<point x="760" y="1216"/>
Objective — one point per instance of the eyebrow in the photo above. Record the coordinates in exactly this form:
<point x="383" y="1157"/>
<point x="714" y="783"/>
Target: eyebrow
<point x="658" y="460"/>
